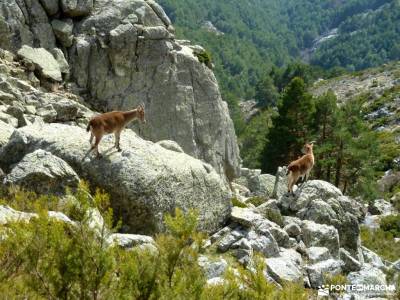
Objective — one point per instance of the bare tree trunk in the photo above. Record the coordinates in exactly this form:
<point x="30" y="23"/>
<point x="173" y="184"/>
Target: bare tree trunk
<point x="339" y="164"/>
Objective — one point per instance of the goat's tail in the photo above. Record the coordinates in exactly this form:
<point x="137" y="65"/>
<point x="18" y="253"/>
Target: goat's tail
<point x="88" y="127"/>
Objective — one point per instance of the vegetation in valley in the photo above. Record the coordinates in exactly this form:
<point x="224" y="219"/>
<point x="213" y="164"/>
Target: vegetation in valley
<point x="349" y="153"/>
<point x="46" y="258"/>
<point x="382" y="242"/>
<point x="260" y="34"/>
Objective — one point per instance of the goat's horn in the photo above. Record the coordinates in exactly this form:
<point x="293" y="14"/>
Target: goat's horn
<point x="312" y="142"/>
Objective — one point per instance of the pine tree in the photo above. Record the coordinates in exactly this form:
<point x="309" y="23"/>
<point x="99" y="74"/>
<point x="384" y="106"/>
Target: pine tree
<point x="325" y="122"/>
<point x="291" y="128"/>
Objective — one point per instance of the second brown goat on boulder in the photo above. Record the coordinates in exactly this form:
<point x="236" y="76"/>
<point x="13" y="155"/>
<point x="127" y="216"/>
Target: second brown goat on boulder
<point x="112" y="122"/>
<point x="301" y="167"/>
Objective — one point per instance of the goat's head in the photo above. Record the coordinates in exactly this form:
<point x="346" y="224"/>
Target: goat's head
<point x="308" y="147"/>
<point x="141" y="113"/>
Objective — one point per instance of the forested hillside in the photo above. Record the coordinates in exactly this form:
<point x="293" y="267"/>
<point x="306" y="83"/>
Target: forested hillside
<point x="260" y="33"/>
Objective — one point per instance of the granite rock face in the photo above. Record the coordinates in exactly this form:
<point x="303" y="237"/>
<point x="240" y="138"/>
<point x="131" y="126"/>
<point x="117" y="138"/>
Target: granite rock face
<point x="122" y="53"/>
<point x="42" y="60"/>
<point x="322" y="203"/>
<point x="145" y="180"/>
<point x="42" y="172"/>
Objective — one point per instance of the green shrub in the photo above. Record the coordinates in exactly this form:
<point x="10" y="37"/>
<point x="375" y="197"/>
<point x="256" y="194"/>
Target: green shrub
<point x="337" y="279"/>
<point x="391" y="224"/>
<point x="48" y="259"/>
<point x="248" y="284"/>
<point x="274" y="216"/>
<point x="238" y="203"/>
<point x="205" y="58"/>
<point x="257" y="201"/>
<point x="381" y="242"/>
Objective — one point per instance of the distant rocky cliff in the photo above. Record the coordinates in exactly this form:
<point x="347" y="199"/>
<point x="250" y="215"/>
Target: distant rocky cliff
<point x="118" y="54"/>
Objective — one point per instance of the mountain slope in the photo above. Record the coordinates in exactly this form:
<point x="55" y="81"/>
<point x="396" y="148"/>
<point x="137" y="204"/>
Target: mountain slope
<point x="380" y="89"/>
<point x="258" y="34"/>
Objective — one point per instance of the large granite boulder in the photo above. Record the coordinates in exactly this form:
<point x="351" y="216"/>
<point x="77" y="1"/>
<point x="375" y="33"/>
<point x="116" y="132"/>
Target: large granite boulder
<point x="145" y="180"/>
<point x="320" y="235"/>
<point x="25" y="23"/>
<point x="282" y="270"/>
<point x="389" y="181"/>
<point x="5" y="133"/>
<point x="76" y="8"/>
<point x="44" y="62"/>
<point x="63" y="31"/>
<point x="317" y="254"/>
<point x="124" y="53"/>
<point x="212" y="268"/>
<point x="10" y="215"/>
<point x="323" y="203"/>
<point x="318" y="272"/>
<point x="50" y="6"/>
<point x="42" y="172"/>
<point x="381" y="207"/>
<point x="369" y="276"/>
<point x="350" y="263"/>
<point x="263" y="185"/>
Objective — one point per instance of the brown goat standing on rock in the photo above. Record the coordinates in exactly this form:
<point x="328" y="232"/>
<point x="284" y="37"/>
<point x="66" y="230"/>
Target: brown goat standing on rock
<point x="301" y="167"/>
<point x="112" y="122"/>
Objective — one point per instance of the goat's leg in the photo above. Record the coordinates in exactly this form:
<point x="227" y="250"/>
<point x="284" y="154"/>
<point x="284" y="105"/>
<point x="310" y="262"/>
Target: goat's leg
<point x="117" y="138"/>
<point x="307" y="175"/>
<point x="96" y="145"/>
<point x="290" y="182"/>
<point x="91" y="139"/>
<point x="294" y="177"/>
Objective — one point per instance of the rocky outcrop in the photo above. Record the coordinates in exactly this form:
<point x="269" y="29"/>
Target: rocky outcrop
<point x="213" y="270"/>
<point x="42" y="60"/>
<point x="145" y="180"/>
<point x="323" y="203"/>
<point x="76" y="8"/>
<point x="5" y="133"/>
<point x="317" y="236"/>
<point x="381" y="207"/>
<point x="282" y="269"/>
<point x="318" y="272"/>
<point x="42" y="172"/>
<point x="23" y="101"/>
<point x="320" y="235"/>
<point x="122" y="53"/>
<point x="369" y="275"/>
<point x="390" y="180"/>
<point x="261" y="185"/>
<point x="10" y="215"/>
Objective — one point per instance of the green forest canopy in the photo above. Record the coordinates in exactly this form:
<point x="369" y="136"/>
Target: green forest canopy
<point x="261" y="33"/>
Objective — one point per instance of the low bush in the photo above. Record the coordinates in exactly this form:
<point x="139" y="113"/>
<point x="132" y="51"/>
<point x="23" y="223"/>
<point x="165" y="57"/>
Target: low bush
<point x="238" y="203"/>
<point x="205" y="58"/>
<point x="381" y="242"/>
<point x="391" y="224"/>
<point x="274" y="216"/>
<point x="49" y="259"/>
<point x="257" y="201"/>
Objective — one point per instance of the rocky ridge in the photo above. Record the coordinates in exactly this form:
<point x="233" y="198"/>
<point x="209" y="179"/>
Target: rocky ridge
<point x="117" y="54"/>
<point x="310" y="237"/>
<point x="380" y="85"/>
<point x="65" y="59"/>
